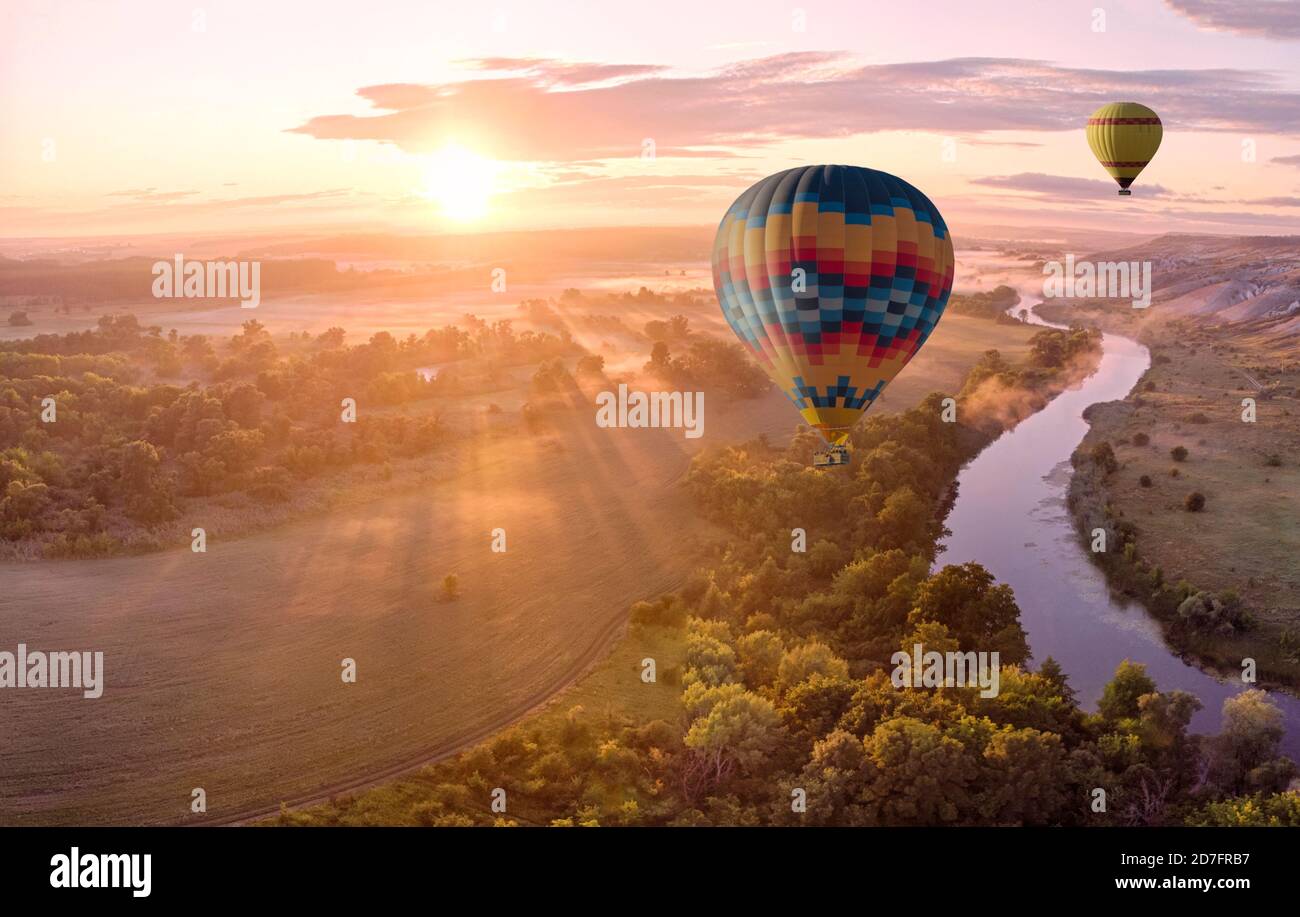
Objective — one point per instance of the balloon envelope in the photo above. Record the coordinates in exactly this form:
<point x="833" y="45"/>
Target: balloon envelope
<point x="833" y="277"/>
<point x="1124" y="137"/>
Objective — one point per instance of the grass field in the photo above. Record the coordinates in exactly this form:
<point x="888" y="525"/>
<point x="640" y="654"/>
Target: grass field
<point x="612" y="688"/>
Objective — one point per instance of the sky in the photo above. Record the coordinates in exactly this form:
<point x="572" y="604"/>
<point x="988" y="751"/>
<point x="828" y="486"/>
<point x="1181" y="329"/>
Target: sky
<point x="126" y="117"/>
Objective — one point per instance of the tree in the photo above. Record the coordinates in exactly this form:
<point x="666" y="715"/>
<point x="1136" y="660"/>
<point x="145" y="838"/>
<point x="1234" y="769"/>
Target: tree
<point x="1280" y="810"/>
<point x="811" y="708"/>
<point x="906" y="520"/>
<point x="739" y="732"/>
<point x="916" y="775"/>
<point x="814" y="658"/>
<point x="710" y="660"/>
<point x="140" y="464"/>
<point x="982" y="615"/>
<point x="1028" y="784"/>
<point x="659" y="358"/>
<point x="1245" y="755"/>
<point x="760" y="655"/>
<point x="1119" y="699"/>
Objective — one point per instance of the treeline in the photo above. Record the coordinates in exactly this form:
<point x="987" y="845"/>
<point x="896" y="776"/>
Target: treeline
<point x="789" y="713"/>
<point x="107" y="433"/>
<point x="992" y="304"/>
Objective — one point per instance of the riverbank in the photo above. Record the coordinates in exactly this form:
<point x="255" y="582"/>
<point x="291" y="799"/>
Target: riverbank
<point x="1198" y="505"/>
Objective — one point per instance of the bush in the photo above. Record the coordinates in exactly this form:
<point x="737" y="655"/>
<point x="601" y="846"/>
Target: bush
<point x="1103" y="456"/>
<point x="1198" y="417"/>
<point x="270" y="485"/>
<point x="450" y="587"/>
<point x="1178" y="453"/>
<point x="1209" y="613"/>
<point x="1145" y="480"/>
<point x="666" y="612"/>
<point x="1195" y="502"/>
<point x="1141" y="439"/>
<point x="19" y="319"/>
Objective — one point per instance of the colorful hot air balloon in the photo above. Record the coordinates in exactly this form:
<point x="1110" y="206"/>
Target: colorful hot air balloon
<point x="833" y="277"/>
<point x="1124" y="137"/>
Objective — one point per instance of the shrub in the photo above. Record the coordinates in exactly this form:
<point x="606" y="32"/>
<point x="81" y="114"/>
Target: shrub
<point x="665" y="612"/>
<point x="1141" y="439"/>
<point x="1103" y="456"/>
<point x="1195" y="502"/>
<point x="450" y="587"/>
<point x="1178" y="453"/>
<point x="1198" y="417"/>
<point x="270" y="485"/>
<point x="1145" y="480"/>
<point x="1208" y="613"/>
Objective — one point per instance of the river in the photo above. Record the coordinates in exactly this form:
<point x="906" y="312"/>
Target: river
<point x="1010" y="515"/>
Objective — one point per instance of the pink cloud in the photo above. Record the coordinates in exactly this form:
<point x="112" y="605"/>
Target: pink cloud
<point x="534" y="113"/>
<point x="1261" y="18"/>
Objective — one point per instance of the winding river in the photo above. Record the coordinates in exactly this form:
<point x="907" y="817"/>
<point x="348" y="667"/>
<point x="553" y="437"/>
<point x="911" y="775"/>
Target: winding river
<point x="1010" y="515"/>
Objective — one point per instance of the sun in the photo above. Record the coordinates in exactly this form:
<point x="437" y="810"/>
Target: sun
<point x="460" y="181"/>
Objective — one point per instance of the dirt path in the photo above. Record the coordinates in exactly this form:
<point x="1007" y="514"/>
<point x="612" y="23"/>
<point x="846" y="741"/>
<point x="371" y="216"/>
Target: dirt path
<point x="223" y="670"/>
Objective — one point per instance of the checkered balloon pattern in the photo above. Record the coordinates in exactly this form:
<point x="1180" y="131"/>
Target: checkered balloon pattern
<point x="833" y="277"/>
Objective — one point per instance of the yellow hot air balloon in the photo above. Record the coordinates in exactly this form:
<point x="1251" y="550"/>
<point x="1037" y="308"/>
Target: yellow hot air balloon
<point x="833" y="277"/>
<point x="1124" y="137"/>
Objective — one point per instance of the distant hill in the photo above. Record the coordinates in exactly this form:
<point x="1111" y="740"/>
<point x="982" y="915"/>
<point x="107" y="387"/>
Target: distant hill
<point x="1253" y="280"/>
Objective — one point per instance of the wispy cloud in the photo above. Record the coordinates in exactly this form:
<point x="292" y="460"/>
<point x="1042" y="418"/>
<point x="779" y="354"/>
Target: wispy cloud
<point x="1059" y="186"/>
<point x="151" y="194"/>
<point x="1087" y="191"/>
<point x="547" y="110"/>
<point x="1260" y="18"/>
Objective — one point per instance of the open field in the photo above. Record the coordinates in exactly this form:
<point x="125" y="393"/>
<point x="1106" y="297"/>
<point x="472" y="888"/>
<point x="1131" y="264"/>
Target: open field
<point x="226" y="665"/>
<point x="613" y="688"/>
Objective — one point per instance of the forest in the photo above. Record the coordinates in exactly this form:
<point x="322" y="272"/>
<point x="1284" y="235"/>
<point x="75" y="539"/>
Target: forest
<point x="107" y="433"/>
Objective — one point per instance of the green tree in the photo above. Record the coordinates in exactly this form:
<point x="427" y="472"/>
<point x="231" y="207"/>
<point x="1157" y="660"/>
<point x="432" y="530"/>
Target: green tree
<point x="980" y="613"/>
<point x="737" y="735"/>
<point x="1119" y="699"/>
